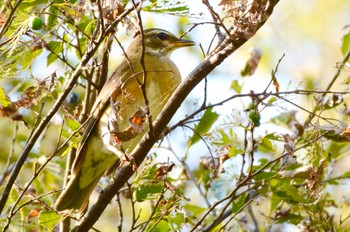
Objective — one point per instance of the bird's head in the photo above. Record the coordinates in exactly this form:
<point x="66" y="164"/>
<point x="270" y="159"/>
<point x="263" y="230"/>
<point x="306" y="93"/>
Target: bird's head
<point x="157" y="41"/>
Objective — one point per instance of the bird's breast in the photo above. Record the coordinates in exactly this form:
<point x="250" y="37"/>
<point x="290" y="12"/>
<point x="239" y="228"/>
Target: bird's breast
<point x="161" y="79"/>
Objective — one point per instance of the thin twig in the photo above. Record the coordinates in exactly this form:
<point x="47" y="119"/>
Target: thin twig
<point x="335" y="77"/>
<point x="9" y="167"/>
<point x="191" y="176"/>
<point x="155" y="207"/>
<point x="121" y="215"/>
<point x="10" y="18"/>
<point x="58" y="149"/>
<point x="143" y="68"/>
<point x="90" y="51"/>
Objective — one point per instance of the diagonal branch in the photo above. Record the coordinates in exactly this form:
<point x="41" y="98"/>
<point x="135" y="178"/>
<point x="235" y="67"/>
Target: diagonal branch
<point x="230" y="44"/>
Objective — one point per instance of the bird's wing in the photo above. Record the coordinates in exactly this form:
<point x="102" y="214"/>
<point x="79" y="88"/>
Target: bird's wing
<point x="90" y="162"/>
<point x="112" y="87"/>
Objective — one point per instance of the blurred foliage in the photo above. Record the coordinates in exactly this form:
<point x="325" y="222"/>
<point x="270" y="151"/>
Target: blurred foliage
<point x="261" y="165"/>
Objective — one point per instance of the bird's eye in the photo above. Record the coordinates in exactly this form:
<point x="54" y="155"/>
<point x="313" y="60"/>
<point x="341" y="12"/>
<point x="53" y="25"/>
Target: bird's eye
<point x="161" y="36"/>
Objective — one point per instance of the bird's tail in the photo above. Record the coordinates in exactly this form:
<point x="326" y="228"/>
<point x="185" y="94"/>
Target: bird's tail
<point x="75" y="197"/>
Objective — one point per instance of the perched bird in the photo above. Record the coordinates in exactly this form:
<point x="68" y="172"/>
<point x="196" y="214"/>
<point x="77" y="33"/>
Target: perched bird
<point x="118" y="118"/>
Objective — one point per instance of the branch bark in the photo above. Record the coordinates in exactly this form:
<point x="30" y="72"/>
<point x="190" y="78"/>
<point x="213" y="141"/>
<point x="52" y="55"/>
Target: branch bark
<point x="231" y="43"/>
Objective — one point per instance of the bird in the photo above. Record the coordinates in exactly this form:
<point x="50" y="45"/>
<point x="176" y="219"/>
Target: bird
<point x="119" y="115"/>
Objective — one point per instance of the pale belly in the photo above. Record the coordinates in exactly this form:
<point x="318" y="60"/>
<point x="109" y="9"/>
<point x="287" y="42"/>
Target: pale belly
<point x="160" y="86"/>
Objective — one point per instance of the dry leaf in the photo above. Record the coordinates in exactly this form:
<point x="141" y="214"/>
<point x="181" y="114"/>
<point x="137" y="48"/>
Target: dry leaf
<point x="314" y="182"/>
<point x="289" y="144"/>
<point x="3" y="19"/>
<point x="29" y="98"/>
<point x="252" y="63"/>
<point x="33" y="213"/>
<point x="9" y="109"/>
<point x="346" y="133"/>
<point x="164" y="168"/>
<point x="136" y="127"/>
<point x="227" y="4"/>
<point x="329" y="101"/>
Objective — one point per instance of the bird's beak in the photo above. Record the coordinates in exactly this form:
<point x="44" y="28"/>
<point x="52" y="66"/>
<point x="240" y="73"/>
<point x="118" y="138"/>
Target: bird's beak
<point x="182" y="43"/>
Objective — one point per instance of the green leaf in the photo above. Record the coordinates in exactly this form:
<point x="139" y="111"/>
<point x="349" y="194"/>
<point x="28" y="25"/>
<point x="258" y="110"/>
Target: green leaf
<point x="49" y="219"/>
<point x="344" y="175"/>
<point x="194" y="209"/>
<point x="224" y="137"/>
<point x="333" y="182"/>
<point x="237" y="205"/>
<point x="147" y="174"/>
<point x="264" y="176"/>
<point x="161" y="226"/>
<point x="55" y="49"/>
<point x="82" y="42"/>
<point x="345" y="47"/>
<point x="204" y="125"/>
<point x="266" y="146"/>
<point x="272" y="136"/>
<point x="284" y="118"/>
<point x="271" y="100"/>
<point x="28" y="57"/>
<point x="4" y="99"/>
<point x="236" y="86"/>
<point x="51" y="58"/>
<point x="55" y="46"/>
<point x="291" y="218"/>
<point x="203" y="176"/>
<point x="30" y="4"/>
<point x="262" y="162"/>
<point x="176" y="221"/>
<point x="86" y="24"/>
<point x="53" y="12"/>
<point x="290" y="194"/>
<point x="234" y="150"/>
<point x="146" y="191"/>
<point x="246" y="70"/>
<point x="72" y="123"/>
<point x="51" y="19"/>
<point x="274" y="202"/>
<point x="293" y="166"/>
<point x="173" y="7"/>
<point x="73" y="143"/>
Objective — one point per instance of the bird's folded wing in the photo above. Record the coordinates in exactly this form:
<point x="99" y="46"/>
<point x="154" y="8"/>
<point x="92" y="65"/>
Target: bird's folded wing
<point x="112" y="87"/>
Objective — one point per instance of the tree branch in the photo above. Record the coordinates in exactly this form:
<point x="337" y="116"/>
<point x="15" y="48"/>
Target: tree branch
<point x="230" y="44"/>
